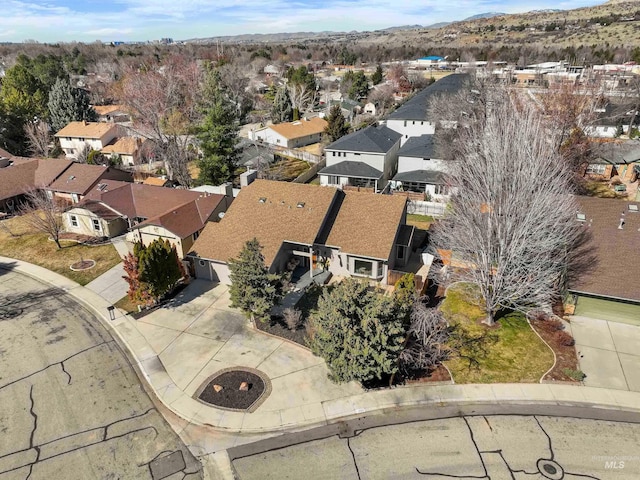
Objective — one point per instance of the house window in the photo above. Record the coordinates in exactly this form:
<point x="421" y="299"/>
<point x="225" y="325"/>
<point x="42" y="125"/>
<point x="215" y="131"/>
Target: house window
<point x="363" y="267"/>
<point x="96" y="224"/>
<point x="195" y="235"/>
<point x="596" y="169"/>
<point x="333" y="154"/>
<point x="441" y="190"/>
<point x="357" y="154"/>
<point x="400" y="252"/>
<point x="74" y="197"/>
<point x="380" y="269"/>
<point x="332" y="180"/>
<point x="74" y="221"/>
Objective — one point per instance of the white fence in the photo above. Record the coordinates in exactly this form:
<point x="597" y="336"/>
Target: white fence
<point x="433" y="209"/>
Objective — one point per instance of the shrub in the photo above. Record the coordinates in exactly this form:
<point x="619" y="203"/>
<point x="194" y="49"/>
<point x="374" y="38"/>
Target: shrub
<point x="577" y="375"/>
<point x="292" y="317"/>
<point x="563" y="338"/>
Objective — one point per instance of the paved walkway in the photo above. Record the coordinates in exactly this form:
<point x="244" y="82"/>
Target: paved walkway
<point x="110" y="285"/>
<point x="609" y="353"/>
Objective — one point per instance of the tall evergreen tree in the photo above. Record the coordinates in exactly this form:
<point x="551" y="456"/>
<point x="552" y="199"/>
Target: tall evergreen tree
<point x="253" y="289"/>
<point x="67" y="104"/>
<point x="218" y="133"/>
<point x="358" y="332"/>
<point x="376" y="78"/>
<point x="281" y="111"/>
<point x="337" y="126"/>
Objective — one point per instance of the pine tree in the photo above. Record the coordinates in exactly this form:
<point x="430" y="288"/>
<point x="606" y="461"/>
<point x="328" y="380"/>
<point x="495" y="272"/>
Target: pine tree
<point x="358" y="332"/>
<point x="281" y="110"/>
<point x="68" y="104"/>
<point x="218" y="134"/>
<point x="337" y="126"/>
<point x="376" y="78"/>
<point x="253" y="290"/>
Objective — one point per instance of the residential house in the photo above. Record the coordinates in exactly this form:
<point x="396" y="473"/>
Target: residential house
<point x="421" y="169"/>
<point x="615" y="158"/>
<point x="319" y="228"/>
<point x="292" y="134"/>
<point x="127" y="149"/>
<point x="606" y="284"/>
<point x="20" y="175"/>
<point x="613" y="120"/>
<point x="146" y="212"/>
<point x="78" y="135"/>
<point x="411" y="119"/>
<point x="79" y="179"/>
<point x="365" y="158"/>
<point x="112" y="113"/>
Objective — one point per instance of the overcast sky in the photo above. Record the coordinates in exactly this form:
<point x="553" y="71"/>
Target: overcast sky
<point x="90" y="20"/>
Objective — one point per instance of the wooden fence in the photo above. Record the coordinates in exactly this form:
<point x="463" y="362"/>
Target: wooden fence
<point x="304" y="177"/>
<point x="394" y="275"/>
<point x="433" y="209"/>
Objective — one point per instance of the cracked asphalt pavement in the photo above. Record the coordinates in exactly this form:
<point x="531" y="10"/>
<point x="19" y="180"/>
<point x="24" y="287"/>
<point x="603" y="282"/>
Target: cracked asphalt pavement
<point x="492" y="447"/>
<point x="71" y="405"/>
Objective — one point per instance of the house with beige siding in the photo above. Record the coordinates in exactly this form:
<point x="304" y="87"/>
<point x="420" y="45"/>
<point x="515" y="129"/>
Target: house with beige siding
<point x="292" y="134"/>
<point x="78" y="135"/>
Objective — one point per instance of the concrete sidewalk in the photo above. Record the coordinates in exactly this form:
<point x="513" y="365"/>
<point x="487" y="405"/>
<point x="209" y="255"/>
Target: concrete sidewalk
<point x="110" y="285"/>
<point x="316" y="408"/>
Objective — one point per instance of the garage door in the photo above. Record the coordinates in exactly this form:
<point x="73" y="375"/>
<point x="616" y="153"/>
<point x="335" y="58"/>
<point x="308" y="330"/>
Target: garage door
<point x="608" y="310"/>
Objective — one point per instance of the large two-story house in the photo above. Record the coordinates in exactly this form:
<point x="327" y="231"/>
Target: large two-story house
<point x="78" y="135"/>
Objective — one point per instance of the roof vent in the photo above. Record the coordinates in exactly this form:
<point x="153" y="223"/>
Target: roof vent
<point x="300" y="205"/>
<point x="581" y="217"/>
<point x="72" y="177"/>
<point x="102" y="187"/>
<point x="262" y="200"/>
<point x="633" y="207"/>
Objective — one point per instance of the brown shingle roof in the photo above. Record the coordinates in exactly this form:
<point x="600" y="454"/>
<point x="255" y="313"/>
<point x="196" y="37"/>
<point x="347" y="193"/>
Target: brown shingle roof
<point x="617" y="251"/>
<point x="78" y="178"/>
<point x="272" y="221"/>
<point x="85" y="130"/>
<point x="157" y="181"/>
<point x="300" y="128"/>
<point x="25" y="174"/>
<point x="107" y="109"/>
<point x="123" y="146"/>
<point x="188" y="218"/>
<point x="367" y="224"/>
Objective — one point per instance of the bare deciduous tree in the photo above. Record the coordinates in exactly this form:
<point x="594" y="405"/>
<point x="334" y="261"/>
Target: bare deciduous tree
<point x="82" y="155"/>
<point x="38" y="138"/>
<point x="43" y="213"/>
<point x="512" y="223"/>
<point x="164" y="100"/>
<point x="425" y="346"/>
<point x="292" y="318"/>
<point x="301" y="97"/>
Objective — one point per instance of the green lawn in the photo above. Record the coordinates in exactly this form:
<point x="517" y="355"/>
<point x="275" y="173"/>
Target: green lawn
<point x="419" y="221"/>
<point x="18" y="241"/>
<point x="511" y="352"/>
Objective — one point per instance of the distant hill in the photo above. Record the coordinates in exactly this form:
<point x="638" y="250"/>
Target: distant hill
<point x="483" y="15"/>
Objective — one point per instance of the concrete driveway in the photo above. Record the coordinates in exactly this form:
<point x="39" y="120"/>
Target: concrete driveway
<point x="609" y="353"/>
<point x="110" y="285"/>
<point x="199" y="334"/>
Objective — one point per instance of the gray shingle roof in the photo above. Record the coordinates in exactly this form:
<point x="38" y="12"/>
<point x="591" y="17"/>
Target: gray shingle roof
<point x="352" y="169"/>
<point x="417" y="106"/>
<point x="420" y="147"/>
<point x="616" y="153"/>
<point x="431" y="177"/>
<point x="373" y="139"/>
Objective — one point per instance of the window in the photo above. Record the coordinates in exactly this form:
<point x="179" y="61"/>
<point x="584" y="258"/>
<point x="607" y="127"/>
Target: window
<point x="333" y="154"/>
<point x="357" y="154"/>
<point x="363" y="267"/>
<point x="96" y="224"/>
<point x="441" y="190"/>
<point x="380" y="269"/>
<point x="596" y="169"/>
<point x="74" y="221"/>
<point x="195" y="235"/>
<point x="332" y="180"/>
<point x="400" y="252"/>
<point x="74" y="197"/>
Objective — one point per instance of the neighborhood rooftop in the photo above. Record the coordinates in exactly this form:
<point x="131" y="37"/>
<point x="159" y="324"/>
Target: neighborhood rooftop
<point x="300" y="128"/>
<point x="373" y="139"/>
<point x="25" y="174"/>
<point x="78" y="178"/>
<point x="423" y="146"/>
<point x="416" y="108"/>
<point x="352" y="169"/>
<point x="85" y="130"/>
<point x="614" y="271"/>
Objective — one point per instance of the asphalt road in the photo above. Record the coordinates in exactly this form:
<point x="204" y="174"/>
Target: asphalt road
<point x="493" y="447"/>
<point x="71" y="406"/>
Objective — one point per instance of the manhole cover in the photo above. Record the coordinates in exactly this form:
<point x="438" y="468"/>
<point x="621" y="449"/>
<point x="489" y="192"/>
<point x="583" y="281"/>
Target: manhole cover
<point x="550" y="469"/>
<point x="164" y="467"/>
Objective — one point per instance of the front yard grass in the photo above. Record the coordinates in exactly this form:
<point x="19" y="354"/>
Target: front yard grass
<point x="512" y="352"/>
<point x="419" y="221"/>
<point x="602" y="190"/>
<point x="18" y="241"/>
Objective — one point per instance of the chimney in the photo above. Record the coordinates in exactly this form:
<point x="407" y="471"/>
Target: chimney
<point x="621" y="225"/>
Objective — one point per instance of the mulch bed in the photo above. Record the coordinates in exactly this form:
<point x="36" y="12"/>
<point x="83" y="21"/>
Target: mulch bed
<point x="83" y="265"/>
<point x="440" y="374"/>
<point x="166" y="299"/>
<point x="276" y="327"/>
<point x="231" y="396"/>
<point x="566" y="357"/>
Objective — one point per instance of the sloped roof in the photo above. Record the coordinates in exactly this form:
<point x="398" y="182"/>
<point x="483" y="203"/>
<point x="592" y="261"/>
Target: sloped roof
<point x="373" y="139"/>
<point x="123" y="146"/>
<point x="157" y="181"/>
<point x="78" y="178"/>
<point x="187" y="219"/>
<point x="300" y="128"/>
<point x="107" y="109"/>
<point x="352" y="169"/>
<point x="28" y="173"/>
<point x="431" y="177"/>
<point x="614" y="273"/>
<point x="85" y="130"/>
<point x="367" y="224"/>
<point x="416" y="108"/>
<point x="616" y="152"/>
<point x="423" y="146"/>
<point x="267" y="210"/>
